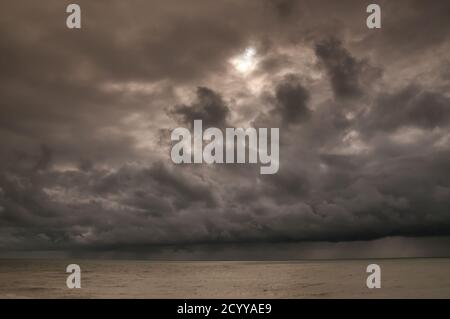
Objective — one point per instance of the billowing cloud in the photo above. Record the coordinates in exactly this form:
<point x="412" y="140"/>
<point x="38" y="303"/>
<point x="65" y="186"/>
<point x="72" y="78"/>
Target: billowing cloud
<point x="292" y="101"/>
<point x="347" y="74"/>
<point x="411" y="106"/>
<point x="363" y="117"/>
<point x="208" y="107"/>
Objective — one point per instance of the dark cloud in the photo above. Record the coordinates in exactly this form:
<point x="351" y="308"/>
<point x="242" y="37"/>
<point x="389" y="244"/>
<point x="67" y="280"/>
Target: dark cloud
<point x="45" y="159"/>
<point x="292" y="101"/>
<point x="409" y="28"/>
<point x="208" y="107"/>
<point x="284" y="8"/>
<point x="411" y="106"/>
<point x="342" y="68"/>
<point x="85" y="116"/>
<point x="346" y="72"/>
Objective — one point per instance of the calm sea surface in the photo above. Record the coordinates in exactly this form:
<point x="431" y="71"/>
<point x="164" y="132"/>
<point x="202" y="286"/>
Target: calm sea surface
<point x="401" y="278"/>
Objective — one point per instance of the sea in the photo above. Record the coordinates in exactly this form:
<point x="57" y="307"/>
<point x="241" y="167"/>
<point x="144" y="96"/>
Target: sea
<point x="400" y="278"/>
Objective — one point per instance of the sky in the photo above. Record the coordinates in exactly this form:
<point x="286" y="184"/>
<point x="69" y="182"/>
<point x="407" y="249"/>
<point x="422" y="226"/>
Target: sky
<point x="86" y="116"/>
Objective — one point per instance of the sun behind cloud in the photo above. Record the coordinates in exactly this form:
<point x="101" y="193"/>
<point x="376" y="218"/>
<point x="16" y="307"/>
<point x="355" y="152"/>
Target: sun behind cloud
<point x="245" y="62"/>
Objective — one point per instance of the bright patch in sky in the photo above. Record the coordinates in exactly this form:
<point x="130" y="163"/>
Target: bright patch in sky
<point x="245" y="62"/>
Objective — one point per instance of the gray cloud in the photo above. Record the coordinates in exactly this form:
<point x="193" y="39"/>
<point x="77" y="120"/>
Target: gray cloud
<point x="411" y="106"/>
<point x="343" y="69"/>
<point x="292" y="100"/>
<point x="363" y="118"/>
<point x="208" y="107"/>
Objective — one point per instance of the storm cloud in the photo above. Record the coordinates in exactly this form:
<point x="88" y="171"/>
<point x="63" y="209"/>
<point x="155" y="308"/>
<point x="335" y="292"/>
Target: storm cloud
<point x="208" y="107"/>
<point x="363" y="115"/>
